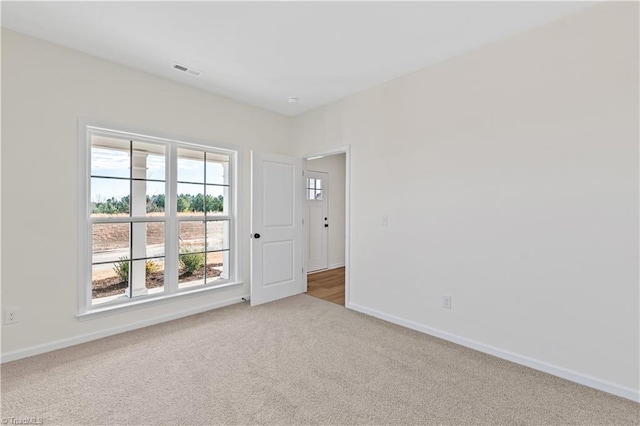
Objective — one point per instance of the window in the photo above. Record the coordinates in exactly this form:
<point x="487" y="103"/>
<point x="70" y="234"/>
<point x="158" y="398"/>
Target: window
<point x="314" y="189"/>
<point x="203" y="219"/>
<point x="160" y="218"/>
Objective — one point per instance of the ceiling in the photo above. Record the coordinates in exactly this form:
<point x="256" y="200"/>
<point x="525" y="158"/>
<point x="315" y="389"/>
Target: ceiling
<point x="261" y="53"/>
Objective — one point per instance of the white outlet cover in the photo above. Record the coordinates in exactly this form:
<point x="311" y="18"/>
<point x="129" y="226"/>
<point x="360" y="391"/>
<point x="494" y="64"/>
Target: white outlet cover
<point x="446" y="302"/>
<point x="11" y="315"/>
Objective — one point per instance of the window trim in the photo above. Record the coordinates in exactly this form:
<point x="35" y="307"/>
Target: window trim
<point x="88" y="127"/>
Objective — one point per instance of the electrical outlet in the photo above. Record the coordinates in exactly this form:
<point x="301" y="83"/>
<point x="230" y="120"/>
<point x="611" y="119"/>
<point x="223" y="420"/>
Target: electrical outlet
<point x="11" y="315"/>
<point x="385" y="220"/>
<point x="446" y="301"/>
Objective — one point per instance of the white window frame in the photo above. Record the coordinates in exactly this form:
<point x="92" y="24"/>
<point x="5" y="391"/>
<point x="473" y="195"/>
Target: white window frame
<point x="87" y="128"/>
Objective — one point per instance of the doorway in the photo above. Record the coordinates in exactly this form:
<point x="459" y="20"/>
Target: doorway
<point x="278" y="233"/>
<point x="325" y="226"/>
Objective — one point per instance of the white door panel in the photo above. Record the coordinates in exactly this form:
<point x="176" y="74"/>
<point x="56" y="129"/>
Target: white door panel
<point x="276" y="227"/>
<point x="315" y="215"/>
<point x="278" y="194"/>
<point x="276" y="262"/>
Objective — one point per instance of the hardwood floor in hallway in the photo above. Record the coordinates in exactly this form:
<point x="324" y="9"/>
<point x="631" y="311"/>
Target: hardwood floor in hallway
<point x="327" y="285"/>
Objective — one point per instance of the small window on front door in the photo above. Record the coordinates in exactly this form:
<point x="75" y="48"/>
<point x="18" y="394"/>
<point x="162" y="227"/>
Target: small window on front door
<point x="314" y="189"/>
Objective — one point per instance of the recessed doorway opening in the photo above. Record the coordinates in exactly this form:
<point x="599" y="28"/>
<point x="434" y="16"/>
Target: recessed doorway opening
<point x="326" y="226"/>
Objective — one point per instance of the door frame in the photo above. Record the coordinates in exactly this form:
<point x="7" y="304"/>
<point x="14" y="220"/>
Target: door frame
<point x="346" y="150"/>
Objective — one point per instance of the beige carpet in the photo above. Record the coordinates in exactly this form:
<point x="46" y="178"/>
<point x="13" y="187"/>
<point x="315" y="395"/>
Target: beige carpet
<point x="296" y="361"/>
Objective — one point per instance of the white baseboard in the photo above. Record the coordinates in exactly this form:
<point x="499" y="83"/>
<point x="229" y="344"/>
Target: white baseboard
<point x="554" y="370"/>
<point x="72" y="341"/>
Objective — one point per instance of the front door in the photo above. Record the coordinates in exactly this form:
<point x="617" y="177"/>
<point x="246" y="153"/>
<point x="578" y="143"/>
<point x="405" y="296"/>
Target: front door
<point x="316" y="220"/>
<point x="276" y="227"/>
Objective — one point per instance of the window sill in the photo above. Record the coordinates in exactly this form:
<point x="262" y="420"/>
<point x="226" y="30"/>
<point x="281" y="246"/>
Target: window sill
<point x="145" y="301"/>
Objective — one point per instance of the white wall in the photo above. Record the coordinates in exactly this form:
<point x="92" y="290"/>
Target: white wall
<point x="45" y="88"/>
<point x="510" y="177"/>
<point x="334" y="165"/>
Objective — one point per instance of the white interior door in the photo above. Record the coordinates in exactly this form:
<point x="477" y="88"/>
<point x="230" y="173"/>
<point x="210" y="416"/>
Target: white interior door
<point x="316" y="220"/>
<point x="276" y="227"/>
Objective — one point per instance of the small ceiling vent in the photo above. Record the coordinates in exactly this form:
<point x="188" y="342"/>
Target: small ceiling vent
<point x="186" y="69"/>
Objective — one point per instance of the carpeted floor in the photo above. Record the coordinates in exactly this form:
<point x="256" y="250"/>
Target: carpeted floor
<point x="298" y="361"/>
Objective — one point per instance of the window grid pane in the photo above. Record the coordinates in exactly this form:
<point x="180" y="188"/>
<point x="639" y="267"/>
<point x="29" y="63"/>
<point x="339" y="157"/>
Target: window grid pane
<point x="110" y="156"/>
<point x="127" y="260"/>
<point x="204" y="251"/>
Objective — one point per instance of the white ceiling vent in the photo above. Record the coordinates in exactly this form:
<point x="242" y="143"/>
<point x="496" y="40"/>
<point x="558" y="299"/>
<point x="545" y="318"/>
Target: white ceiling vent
<point x="186" y="69"/>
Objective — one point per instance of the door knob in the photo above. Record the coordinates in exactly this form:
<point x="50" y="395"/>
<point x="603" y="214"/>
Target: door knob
<point x="326" y="225"/>
<point x="256" y="235"/>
